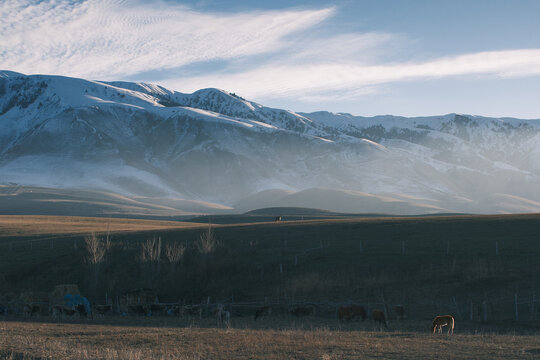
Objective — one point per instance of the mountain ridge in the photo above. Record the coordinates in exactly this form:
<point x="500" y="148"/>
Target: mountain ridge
<point x="139" y="139"/>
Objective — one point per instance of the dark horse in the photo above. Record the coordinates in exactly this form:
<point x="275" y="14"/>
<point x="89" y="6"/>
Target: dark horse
<point x="350" y="312"/>
<point x="378" y="317"/>
<point x="262" y="311"/>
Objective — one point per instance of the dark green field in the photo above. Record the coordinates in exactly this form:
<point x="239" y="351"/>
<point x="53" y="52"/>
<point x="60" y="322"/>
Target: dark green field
<point x="429" y="264"/>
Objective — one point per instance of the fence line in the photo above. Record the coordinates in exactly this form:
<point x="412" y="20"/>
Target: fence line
<point x="517" y="308"/>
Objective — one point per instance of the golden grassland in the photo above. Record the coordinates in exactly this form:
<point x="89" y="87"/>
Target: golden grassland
<point x="29" y="225"/>
<point x="33" y="225"/>
<point x="284" y="338"/>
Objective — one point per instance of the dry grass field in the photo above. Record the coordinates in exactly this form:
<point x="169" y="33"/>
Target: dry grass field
<point x="27" y="225"/>
<point x="276" y="339"/>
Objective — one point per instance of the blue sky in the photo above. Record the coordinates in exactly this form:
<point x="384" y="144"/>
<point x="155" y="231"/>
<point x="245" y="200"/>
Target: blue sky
<point x="365" y="57"/>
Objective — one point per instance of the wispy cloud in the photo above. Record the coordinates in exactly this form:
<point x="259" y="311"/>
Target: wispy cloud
<point x="311" y="80"/>
<point x="267" y="54"/>
<point x="116" y="38"/>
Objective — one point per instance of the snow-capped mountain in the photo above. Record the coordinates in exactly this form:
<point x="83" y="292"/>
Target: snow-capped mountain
<point x="224" y="152"/>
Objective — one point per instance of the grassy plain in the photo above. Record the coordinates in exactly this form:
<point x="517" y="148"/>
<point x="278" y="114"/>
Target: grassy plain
<point x="275" y="339"/>
<point x="426" y="263"/>
<point x="425" y="260"/>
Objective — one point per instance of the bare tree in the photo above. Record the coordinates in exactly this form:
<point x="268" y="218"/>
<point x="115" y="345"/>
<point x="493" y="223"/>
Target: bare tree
<point x="151" y="258"/>
<point x="207" y="242"/>
<point x="174" y="253"/>
<point x="96" y="248"/>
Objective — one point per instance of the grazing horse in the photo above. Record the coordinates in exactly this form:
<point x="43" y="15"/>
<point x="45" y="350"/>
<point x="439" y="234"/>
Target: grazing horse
<point x="262" y="311"/>
<point x="31" y="309"/>
<point x="102" y="309"/>
<point x="278" y="218"/>
<point x="138" y="309"/>
<point x="81" y="310"/>
<point x="400" y="312"/>
<point x="158" y="309"/>
<point x="443" y="320"/>
<point x="223" y="316"/>
<point x="192" y="310"/>
<point x="378" y="316"/>
<point x="350" y="312"/>
<point x="61" y="311"/>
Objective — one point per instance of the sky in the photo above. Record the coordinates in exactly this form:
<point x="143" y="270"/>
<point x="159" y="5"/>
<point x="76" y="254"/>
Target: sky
<point x="364" y="57"/>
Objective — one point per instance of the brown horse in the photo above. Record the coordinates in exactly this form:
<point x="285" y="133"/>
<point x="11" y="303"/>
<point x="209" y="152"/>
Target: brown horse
<point x="443" y="320"/>
<point x="350" y="312"/>
<point x="101" y="310"/>
<point x="378" y="317"/>
<point x="262" y="311"/>
<point x="400" y="312"/>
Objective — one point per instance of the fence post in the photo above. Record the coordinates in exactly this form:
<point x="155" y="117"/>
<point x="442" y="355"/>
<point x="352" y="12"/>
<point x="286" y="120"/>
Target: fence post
<point x="457" y="307"/>
<point x="361" y="247"/>
<point x="484" y="310"/>
<point x="471" y="312"/>
<point x="533" y="307"/>
<point x="384" y="306"/>
<point x="496" y="248"/>
<point x="117" y="305"/>
<point x="516" y="306"/>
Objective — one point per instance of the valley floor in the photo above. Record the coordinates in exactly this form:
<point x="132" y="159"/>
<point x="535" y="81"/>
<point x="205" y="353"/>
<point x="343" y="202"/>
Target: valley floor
<point x="274" y="338"/>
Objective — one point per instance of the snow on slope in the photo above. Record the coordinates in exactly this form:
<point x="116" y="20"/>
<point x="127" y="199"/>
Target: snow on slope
<point x="142" y="139"/>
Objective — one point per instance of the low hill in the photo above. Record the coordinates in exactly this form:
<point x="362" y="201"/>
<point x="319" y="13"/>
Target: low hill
<point x="32" y="200"/>
<point x="270" y="214"/>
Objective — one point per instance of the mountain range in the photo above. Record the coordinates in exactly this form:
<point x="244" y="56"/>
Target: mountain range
<point x="138" y="148"/>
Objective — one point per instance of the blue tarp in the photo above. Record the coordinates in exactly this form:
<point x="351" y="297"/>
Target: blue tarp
<point x="74" y="300"/>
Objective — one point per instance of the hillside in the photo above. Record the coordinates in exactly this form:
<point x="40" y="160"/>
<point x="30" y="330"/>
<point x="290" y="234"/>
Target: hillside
<point x="213" y="151"/>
